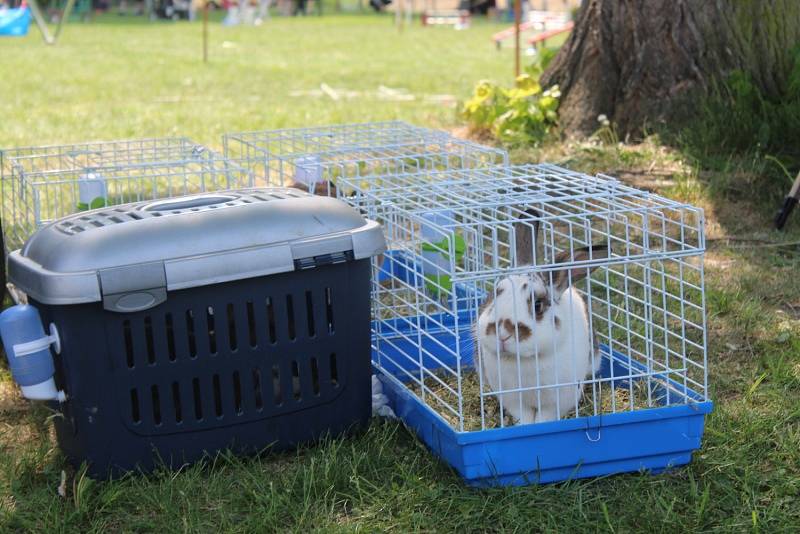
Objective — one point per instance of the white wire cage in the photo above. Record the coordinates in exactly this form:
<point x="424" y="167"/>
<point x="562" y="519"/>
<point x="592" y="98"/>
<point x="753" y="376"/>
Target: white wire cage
<point x="459" y="240"/>
<point x="42" y="184"/>
<point x="329" y="154"/>
<point x="97" y="154"/>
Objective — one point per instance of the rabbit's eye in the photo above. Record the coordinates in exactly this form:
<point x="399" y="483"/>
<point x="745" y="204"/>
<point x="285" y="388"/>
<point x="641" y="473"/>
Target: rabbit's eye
<point x="539" y="306"/>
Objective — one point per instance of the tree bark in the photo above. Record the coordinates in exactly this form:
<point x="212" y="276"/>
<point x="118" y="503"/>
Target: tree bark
<point x="643" y="62"/>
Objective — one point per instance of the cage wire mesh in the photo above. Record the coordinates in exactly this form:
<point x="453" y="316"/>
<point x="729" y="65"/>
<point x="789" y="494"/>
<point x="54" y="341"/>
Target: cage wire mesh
<point x="595" y="290"/>
<point x="330" y="153"/>
<point x="42" y="184"/>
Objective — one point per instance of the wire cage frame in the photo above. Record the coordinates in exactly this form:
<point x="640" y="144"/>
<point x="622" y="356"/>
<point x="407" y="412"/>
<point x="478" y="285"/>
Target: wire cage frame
<point x="458" y="239"/>
<point x="97" y="154"/>
<point x="328" y="154"/>
<point x="42" y="184"/>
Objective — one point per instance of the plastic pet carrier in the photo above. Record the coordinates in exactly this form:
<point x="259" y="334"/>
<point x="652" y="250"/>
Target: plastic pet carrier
<point x="237" y="319"/>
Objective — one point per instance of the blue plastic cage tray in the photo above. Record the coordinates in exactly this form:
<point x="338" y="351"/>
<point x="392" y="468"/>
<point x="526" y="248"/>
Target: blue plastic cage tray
<point x="652" y="439"/>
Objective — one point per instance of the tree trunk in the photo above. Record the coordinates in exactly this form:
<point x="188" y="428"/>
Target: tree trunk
<point x="643" y="62"/>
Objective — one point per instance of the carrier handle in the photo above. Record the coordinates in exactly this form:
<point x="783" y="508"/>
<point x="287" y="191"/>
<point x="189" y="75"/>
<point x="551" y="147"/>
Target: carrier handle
<point x="32" y="347"/>
<point x="197" y="201"/>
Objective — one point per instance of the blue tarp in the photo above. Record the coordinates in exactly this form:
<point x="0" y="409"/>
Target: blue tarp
<point x="15" y="21"/>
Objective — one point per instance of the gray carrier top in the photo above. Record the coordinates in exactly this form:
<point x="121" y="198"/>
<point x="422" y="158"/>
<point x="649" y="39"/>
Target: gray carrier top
<point x="129" y="256"/>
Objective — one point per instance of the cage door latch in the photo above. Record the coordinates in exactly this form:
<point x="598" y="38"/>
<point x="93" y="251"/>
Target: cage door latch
<point x="593" y="427"/>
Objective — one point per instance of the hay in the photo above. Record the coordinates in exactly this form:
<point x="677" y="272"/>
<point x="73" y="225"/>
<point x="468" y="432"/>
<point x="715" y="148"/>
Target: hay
<point x="470" y="390"/>
<point x="438" y="397"/>
<point x="404" y="301"/>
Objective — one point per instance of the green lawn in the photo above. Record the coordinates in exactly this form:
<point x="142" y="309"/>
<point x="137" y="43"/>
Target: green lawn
<point x="124" y="79"/>
<point x="116" y="80"/>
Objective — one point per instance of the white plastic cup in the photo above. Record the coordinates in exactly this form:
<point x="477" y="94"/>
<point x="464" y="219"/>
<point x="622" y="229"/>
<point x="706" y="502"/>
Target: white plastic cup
<point x="308" y="171"/>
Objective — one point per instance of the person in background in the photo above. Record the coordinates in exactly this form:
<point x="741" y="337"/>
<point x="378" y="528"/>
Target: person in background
<point x="263" y="11"/>
<point x="100" y="6"/>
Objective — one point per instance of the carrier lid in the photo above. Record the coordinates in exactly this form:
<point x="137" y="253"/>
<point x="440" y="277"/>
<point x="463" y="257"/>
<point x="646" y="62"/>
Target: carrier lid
<point x="129" y="256"/>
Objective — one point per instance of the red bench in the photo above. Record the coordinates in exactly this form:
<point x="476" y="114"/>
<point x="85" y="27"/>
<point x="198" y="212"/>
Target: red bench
<point x="543" y="36"/>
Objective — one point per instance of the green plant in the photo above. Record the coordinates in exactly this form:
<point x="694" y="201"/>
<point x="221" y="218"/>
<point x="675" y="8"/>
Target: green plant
<point x="738" y="117"/>
<point x="739" y="129"/>
<point x="522" y="114"/>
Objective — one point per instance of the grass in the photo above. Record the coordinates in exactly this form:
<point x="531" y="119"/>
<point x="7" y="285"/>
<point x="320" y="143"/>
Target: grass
<point x="109" y="80"/>
<point x="113" y="79"/>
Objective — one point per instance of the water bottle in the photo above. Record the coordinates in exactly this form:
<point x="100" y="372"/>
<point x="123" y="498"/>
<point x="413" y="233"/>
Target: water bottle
<point x="436" y="248"/>
<point x="92" y="192"/>
<point x="28" y="351"/>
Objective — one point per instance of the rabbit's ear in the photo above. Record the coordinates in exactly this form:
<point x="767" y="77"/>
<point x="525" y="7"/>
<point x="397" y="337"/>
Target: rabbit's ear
<point x="527" y="238"/>
<point x="564" y="277"/>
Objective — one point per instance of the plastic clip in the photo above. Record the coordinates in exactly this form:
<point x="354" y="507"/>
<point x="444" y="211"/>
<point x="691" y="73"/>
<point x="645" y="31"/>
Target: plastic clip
<point x="31" y="347"/>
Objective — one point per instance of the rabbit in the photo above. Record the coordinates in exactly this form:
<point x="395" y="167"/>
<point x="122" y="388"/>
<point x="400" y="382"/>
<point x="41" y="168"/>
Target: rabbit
<point x="549" y="331"/>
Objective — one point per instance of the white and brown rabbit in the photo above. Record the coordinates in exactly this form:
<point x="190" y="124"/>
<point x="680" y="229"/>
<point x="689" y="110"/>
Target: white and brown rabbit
<point x="534" y="333"/>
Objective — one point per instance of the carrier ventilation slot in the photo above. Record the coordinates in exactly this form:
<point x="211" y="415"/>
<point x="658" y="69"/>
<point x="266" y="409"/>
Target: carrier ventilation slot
<point x="176" y="402"/>
<point x="334" y="371"/>
<point x="257" y="388"/>
<point x="126" y="334"/>
<point x="273" y="335"/>
<point x="276" y="385"/>
<point x="212" y="332"/>
<point x="315" y="376"/>
<point x="135" y="416"/>
<point x="251" y="324"/>
<point x="237" y="393"/>
<point x="217" y="396"/>
<point x="148" y="335"/>
<point x="290" y="317"/>
<point x="310" y="314"/>
<point x="190" y="334"/>
<point x="296" y="381"/>
<point x="329" y="309"/>
<point x="198" y="400"/>
<point x="170" y="337"/>
<point x="324" y="259"/>
<point x="156" y="405"/>
<point x="232" y="341"/>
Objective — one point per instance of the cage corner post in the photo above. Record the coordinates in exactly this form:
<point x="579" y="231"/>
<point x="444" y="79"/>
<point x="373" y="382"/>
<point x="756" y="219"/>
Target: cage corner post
<point x="517" y="17"/>
<point x="2" y="263"/>
<point x="205" y="31"/>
